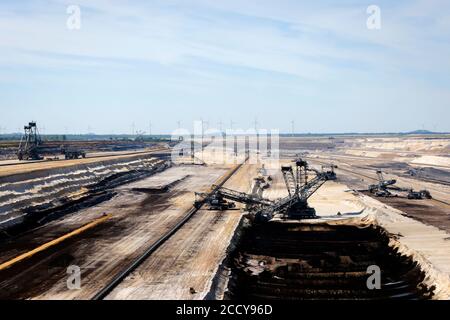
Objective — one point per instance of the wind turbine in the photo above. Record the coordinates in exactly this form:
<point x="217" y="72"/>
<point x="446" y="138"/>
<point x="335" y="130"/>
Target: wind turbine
<point x="256" y="123"/>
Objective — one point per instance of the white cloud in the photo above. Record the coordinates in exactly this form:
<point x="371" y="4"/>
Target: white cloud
<point x="325" y="46"/>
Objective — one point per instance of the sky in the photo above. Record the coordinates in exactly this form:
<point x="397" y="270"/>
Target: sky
<point x="227" y="62"/>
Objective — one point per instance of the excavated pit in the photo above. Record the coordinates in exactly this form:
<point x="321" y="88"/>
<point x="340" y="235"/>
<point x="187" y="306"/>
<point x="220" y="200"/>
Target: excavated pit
<point x="293" y="261"/>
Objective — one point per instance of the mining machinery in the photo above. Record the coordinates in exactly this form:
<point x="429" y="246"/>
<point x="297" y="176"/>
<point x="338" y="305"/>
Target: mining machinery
<point x="300" y="189"/>
<point x="419" y="195"/>
<point x="384" y="188"/>
<point x="217" y="202"/>
<point x="294" y="206"/>
<point x="329" y="171"/>
<point x="221" y="195"/>
<point x="71" y="153"/>
<point x="381" y="189"/>
<point x="29" y="143"/>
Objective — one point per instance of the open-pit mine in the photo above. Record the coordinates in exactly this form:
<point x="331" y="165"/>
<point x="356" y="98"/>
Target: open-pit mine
<point x="329" y="218"/>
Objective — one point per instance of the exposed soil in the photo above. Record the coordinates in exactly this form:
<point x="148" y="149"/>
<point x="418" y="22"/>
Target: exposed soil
<point x="8" y="149"/>
<point x="292" y="261"/>
<point x="35" y="275"/>
<point x="97" y="193"/>
<point x="426" y="211"/>
<point x="429" y="174"/>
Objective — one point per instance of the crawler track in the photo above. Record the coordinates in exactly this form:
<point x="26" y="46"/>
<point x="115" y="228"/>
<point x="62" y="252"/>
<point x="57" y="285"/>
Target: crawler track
<point x="154" y="246"/>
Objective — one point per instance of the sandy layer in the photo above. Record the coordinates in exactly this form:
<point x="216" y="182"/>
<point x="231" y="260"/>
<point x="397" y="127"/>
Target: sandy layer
<point x="184" y="267"/>
<point x="407" y="144"/>
<point x="25" y="167"/>
<point x="433" y="161"/>
<point x="428" y="245"/>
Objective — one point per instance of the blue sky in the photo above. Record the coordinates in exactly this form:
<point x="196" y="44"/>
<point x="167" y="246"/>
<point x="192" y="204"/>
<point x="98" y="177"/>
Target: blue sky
<point x="314" y="62"/>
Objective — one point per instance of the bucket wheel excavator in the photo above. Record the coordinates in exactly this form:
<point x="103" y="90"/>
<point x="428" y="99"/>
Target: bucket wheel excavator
<point x="29" y="146"/>
<point x="294" y="206"/>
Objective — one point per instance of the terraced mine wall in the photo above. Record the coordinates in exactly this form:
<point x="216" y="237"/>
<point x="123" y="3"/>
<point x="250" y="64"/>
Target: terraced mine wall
<point x="8" y="149"/>
<point x="294" y="261"/>
<point x="35" y="197"/>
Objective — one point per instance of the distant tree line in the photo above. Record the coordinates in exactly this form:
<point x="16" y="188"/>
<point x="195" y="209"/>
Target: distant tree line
<point x="84" y="137"/>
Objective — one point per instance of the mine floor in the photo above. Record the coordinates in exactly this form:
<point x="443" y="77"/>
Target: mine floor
<point x="138" y="219"/>
<point x="326" y="258"/>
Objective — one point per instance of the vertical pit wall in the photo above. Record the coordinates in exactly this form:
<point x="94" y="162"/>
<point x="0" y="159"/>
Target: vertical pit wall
<point x="22" y="194"/>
